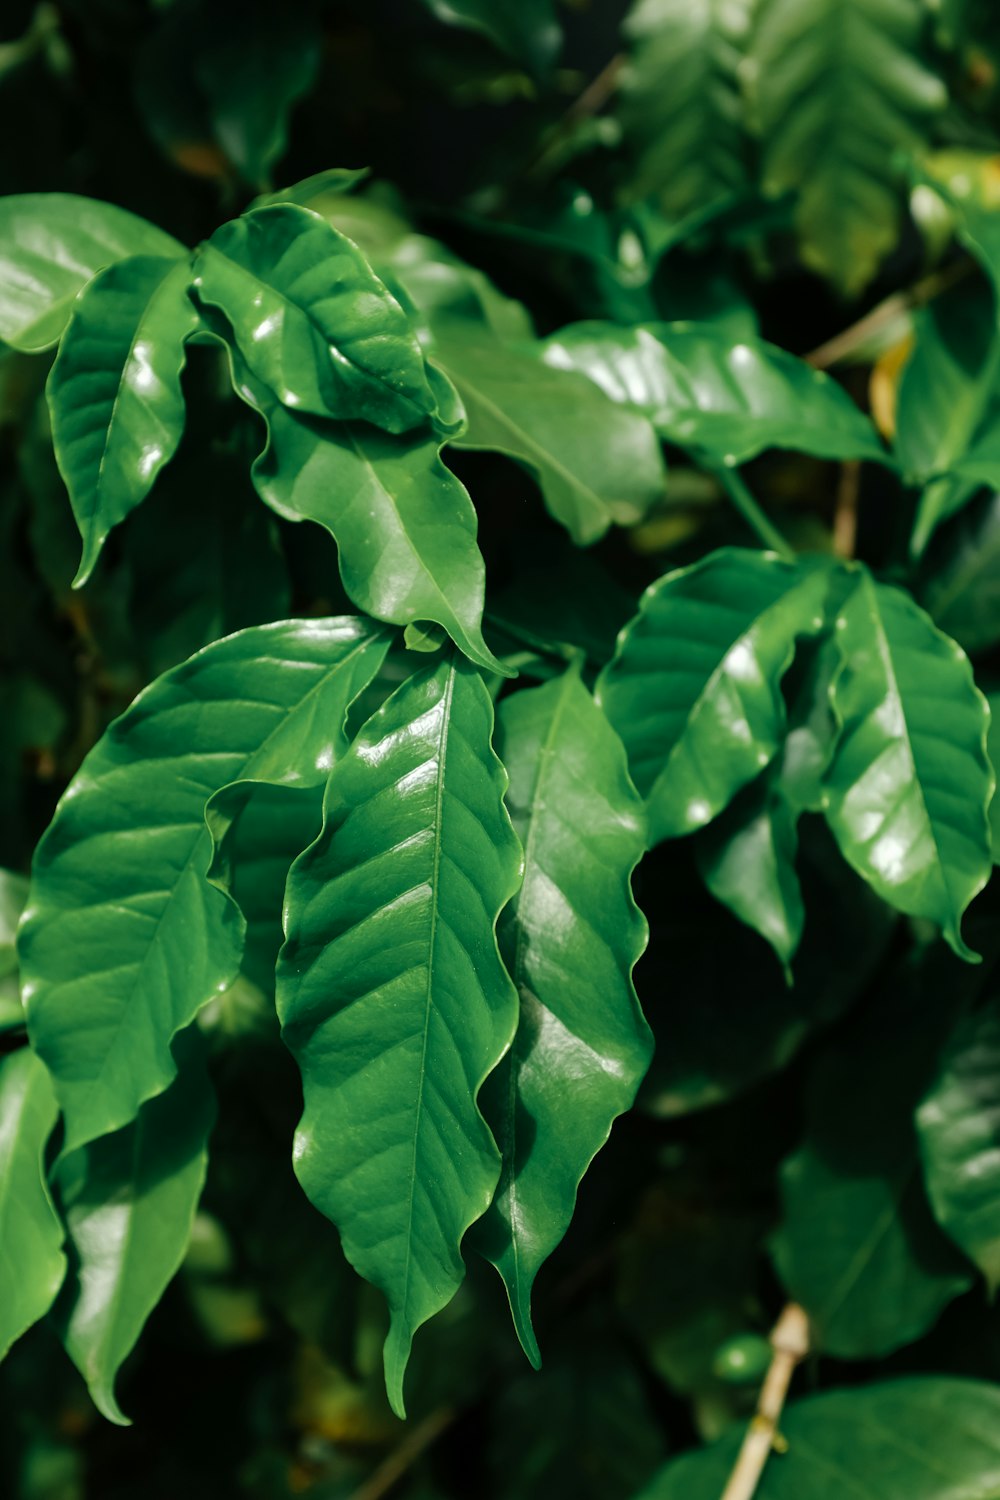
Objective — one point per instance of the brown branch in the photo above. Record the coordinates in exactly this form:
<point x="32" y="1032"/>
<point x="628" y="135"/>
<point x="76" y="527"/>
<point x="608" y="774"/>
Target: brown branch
<point x="846" y="343"/>
<point x="790" y="1342"/>
<point x="394" y="1466"/>
<point x="845" y="514"/>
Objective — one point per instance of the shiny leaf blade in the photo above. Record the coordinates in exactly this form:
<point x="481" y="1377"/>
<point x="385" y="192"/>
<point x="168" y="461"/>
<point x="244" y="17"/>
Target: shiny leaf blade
<point x="392" y="994"/>
<point x="570" y="942"/>
<point x="32" y="1263"/>
<point x="114" y="391"/>
<point x="910" y="783"/>
<point x="124" y="939"/>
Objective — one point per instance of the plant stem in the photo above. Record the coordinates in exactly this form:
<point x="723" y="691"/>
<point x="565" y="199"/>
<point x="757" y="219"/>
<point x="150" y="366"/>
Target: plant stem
<point x="851" y="339"/>
<point x="845" y="516"/>
<point x="395" y="1465"/>
<point x="790" y="1342"/>
<point x="751" y="512"/>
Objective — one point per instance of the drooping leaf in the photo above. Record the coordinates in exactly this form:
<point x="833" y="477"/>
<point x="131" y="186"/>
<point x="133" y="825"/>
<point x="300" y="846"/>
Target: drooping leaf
<point x="857" y="1245"/>
<point x="129" y="1201"/>
<point x="682" y="109"/>
<point x="958" y="1125"/>
<point x="391" y="965"/>
<point x="124" y="938"/>
<point x="114" y="391"/>
<point x="51" y="244"/>
<point x="931" y="1437"/>
<point x="839" y="92"/>
<point x="701" y="389"/>
<point x="570" y="941"/>
<point x="32" y="1263"/>
<point x="909" y="784"/>
<point x="694" y="688"/>
<point x="527" y="30"/>
<point x="312" y="321"/>
<point x="594" y="463"/>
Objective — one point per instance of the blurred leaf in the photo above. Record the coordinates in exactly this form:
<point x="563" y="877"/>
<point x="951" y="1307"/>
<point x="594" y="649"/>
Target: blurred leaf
<point x="960" y="581"/>
<point x="32" y="1264"/>
<point x="527" y="30"/>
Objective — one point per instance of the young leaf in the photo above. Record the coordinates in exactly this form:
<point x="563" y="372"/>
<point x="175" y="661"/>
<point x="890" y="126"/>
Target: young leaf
<point x="702" y="390"/>
<point x="114" y="391"/>
<point x="392" y="994"/>
<point x="958" y="1125"/>
<point x="312" y="320"/>
<point x="839" y="89"/>
<point x="570" y="941"/>
<point x="694" y="688"/>
<point x="909" y="785"/>
<point x="51" y="244"/>
<point x="129" y="1201"/>
<point x="32" y="1263"/>
<point x="681" y="106"/>
<point x="124" y="939"/>
<point x="931" y="1437"/>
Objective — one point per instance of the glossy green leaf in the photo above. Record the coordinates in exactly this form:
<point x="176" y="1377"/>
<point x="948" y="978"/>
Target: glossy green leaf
<point x="527" y="30"/>
<point x="594" y="463"/>
<point x="32" y="1263"/>
<point x="702" y="390"/>
<point x="960" y="579"/>
<point x="391" y="968"/>
<point x="114" y="391"/>
<point x="694" y="688"/>
<point x="681" y="106"/>
<point x="570" y="941"/>
<point x="947" y="380"/>
<point x="839" y="91"/>
<point x="129" y="1201"/>
<point x="51" y="244"/>
<point x="124" y="939"/>
<point x="910" y="782"/>
<point x="958" y="1124"/>
<point x="857" y="1245"/>
<point x="926" y="1438"/>
<point x="312" y="321"/>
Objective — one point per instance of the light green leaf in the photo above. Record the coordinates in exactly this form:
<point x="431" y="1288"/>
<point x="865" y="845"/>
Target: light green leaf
<point x="958" y="1125"/>
<point x="527" y="30"/>
<point x="910" y="783"/>
<point x="839" y="91"/>
<point x="129" y="1201"/>
<point x="32" y="1264"/>
<point x="114" y="391"/>
<point x="124" y="939"/>
<point x="570" y="942"/>
<point x="694" y="688"/>
<point x="312" y="320"/>
<point x="682" y="109"/>
<point x="51" y="244"/>
<point x="392" y="994"/>
<point x="702" y="390"/>
<point x="594" y="463"/>
<point x="926" y="1438"/>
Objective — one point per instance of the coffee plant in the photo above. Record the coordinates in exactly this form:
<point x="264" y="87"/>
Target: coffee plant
<point x="499" y="948"/>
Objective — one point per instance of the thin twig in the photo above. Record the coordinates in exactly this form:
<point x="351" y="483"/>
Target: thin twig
<point x="790" y="1342"/>
<point x="751" y="512"/>
<point x="845" y="514"/>
<point x="395" y="1465"/>
<point x="846" y="343"/>
<point x="590" y="102"/>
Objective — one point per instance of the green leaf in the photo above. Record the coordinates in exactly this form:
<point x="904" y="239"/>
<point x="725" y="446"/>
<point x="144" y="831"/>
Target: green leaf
<point x="32" y="1264"/>
<point x="957" y="1125"/>
<point x="960" y="582"/>
<point x="404" y="524"/>
<point x="527" y="30"/>
<point x="13" y="895"/>
<point x="594" y="463"/>
<point x="926" y="1438"/>
<point x="858" y="1246"/>
<point x="910" y="783"/>
<point x="694" y="688"/>
<point x="570" y="941"/>
<point x="51" y="244"/>
<point x="702" y="390"/>
<point x="681" y="107"/>
<point x="838" y="91"/>
<point x="391" y="967"/>
<point x="114" y="391"/>
<point x="129" y="1201"/>
<point x="312" y="320"/>
<point x="124" y="939"/>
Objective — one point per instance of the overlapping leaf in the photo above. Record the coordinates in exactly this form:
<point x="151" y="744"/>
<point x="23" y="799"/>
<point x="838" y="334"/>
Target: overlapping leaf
<point x="391" y="968"/>
<point x="694" y="688"/>
<point x="570" y="942"/>
<point x="124" y="939"/>
<point x="32" y="1263"/>
<point x="114" y="391"/>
